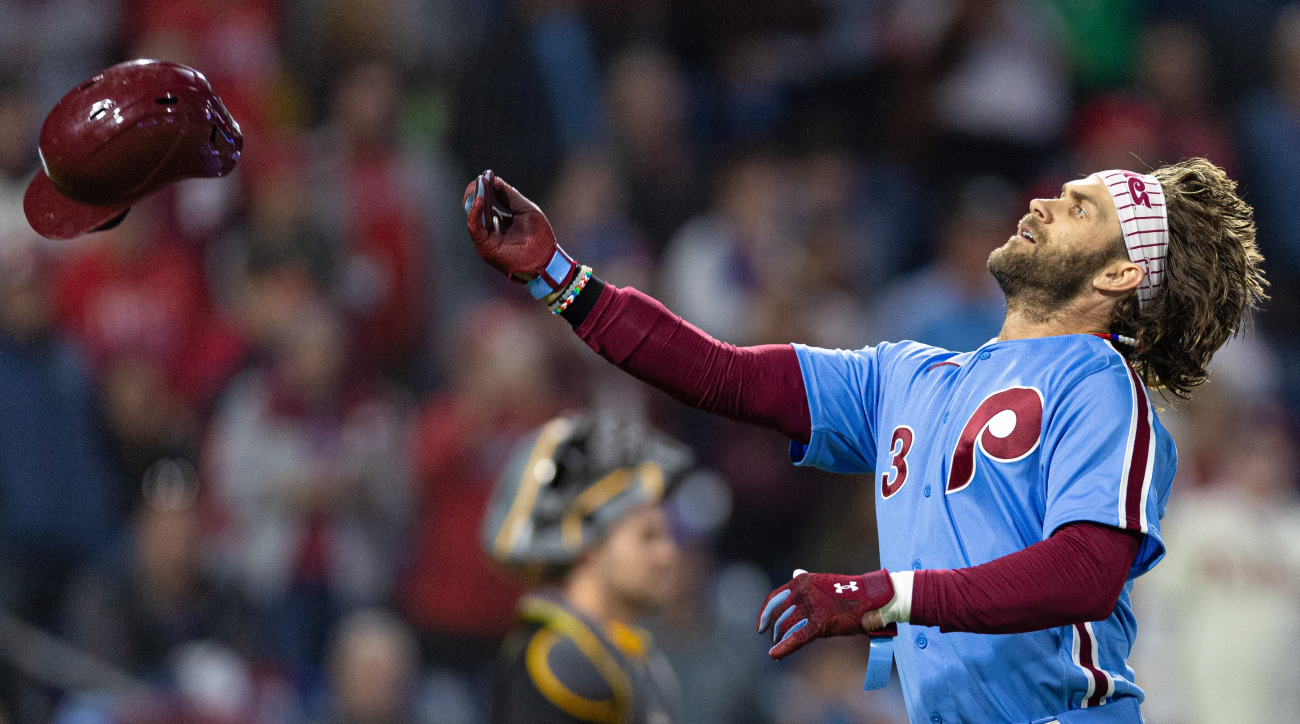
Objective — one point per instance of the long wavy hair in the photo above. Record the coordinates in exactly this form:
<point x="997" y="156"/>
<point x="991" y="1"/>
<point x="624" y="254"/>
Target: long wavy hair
<point x="1213" y="280"/>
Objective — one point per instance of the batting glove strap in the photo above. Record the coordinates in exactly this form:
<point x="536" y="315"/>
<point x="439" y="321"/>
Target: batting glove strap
<point x="558" y="273"/>
<point x="899" y="608"/>
<point x="819" y="605"/>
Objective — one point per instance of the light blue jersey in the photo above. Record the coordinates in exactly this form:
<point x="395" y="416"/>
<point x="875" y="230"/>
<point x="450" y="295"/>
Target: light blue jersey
<point x="981" y="454"/>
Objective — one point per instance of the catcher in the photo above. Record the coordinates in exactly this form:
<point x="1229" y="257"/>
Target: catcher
<point x="578" y="509"/>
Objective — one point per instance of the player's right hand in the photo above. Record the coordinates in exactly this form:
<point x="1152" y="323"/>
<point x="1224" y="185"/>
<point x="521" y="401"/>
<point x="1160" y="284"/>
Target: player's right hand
<point x="818" y="605"/>
<point x="513" y="235"/>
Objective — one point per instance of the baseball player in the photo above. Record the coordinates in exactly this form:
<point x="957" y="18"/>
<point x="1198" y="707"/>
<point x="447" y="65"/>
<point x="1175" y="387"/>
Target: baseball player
<point x="1019" y="487"/>
<point x="578" y="507"/>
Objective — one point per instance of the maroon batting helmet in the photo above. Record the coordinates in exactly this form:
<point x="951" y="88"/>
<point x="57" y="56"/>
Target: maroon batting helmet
<point x="122" y="135"/>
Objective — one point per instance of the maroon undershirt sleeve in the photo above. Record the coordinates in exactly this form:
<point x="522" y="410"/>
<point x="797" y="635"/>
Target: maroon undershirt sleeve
<point x="1074" y="576"/>
<point x="760" y="385"/>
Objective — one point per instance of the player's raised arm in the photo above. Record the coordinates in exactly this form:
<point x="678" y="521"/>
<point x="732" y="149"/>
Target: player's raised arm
<point x="762" y="385"/>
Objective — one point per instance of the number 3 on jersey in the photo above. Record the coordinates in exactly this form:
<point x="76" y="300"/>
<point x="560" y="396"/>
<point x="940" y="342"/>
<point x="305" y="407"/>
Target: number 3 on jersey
<point x="900" y="443"/>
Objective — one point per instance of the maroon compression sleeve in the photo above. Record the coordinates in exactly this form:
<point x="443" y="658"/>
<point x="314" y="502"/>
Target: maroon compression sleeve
<point x="761" y="385"/>
<point x="1074" y="576"/>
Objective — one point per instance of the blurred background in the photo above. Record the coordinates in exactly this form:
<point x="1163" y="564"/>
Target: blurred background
<point x="246" y="437"/>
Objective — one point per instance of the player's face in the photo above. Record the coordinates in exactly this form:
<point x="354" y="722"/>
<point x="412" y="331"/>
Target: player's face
<point x="1059" y="246"/>
<point x="636" y="560"/>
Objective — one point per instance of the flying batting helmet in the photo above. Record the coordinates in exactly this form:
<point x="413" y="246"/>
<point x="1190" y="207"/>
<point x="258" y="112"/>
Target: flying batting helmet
<point x="122" y="135"/>
<point x="570" y="481"/>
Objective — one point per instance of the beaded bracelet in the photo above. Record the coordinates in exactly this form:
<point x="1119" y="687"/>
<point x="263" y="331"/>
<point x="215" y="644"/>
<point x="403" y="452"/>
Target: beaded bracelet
<point x="575" y="288"/>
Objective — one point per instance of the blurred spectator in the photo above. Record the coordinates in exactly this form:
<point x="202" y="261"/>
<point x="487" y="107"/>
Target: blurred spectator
<point x="535" y="96"/>
<point x="135" y="609"/>
<point x="277" y="229"/>
<point x="588" y="210"/>
<point x="846" y="203"/>
<point x="370" y="199"/>
<point x="1004" y="95"/>
<point x="1238" y="31"/>
<point x="305" y="458"/>
<point x="707" y="633"/>
<point x="323" y="38"/>
<point x="1119" y="130"/>
<point x="58" y="507"/>
<point x="714" y="270"/>
<point x="56" y="44"/>
<point x="57" y="500"/>
<point x="954" y="302"/>
<point x="1270" y="148"/>
<point x="648" y="107"/>
<point x="844" y="540"/>
<point x="135" y="298"/>
<point x="373" y="661"/>
<point x="209" y="684"/>
<point x="702" y="33"/>
<point x="502" y="387"/>
<point x="272" y="294"/>
<point x="1234" y="555"/>
<point x="826" y="688"/>
<point x="436" y="39"/>
<point x="146" y="423"/>
<point x="137" y="293"/>
<point x="1175" y="73"/>
<point x="232" y="42"/>
<point x="18" y="162"/>
<point x="742" y="273"/>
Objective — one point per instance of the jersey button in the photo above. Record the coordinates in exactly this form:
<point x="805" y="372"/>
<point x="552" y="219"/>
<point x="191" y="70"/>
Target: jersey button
<point x="926" y="491"/>
<point x="916" y="564"/>
<point x="921" y="641"/>
<point x="936" y="719"/>
<point x="985" y="355"/>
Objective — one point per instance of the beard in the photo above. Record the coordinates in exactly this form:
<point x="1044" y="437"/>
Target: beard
<point x="1043" y="280"/>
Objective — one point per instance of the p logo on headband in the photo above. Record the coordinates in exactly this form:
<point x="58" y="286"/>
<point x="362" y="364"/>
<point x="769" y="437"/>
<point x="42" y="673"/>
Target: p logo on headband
<point x="1140" y="203"/>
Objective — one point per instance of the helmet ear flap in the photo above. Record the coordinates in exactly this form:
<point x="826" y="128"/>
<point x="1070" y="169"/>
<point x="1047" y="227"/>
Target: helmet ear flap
<point x="113" y="222"/>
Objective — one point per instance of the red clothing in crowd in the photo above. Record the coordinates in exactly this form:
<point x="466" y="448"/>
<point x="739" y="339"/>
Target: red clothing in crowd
<point x="383" y="265"/>
<point x="154" y="306"/>
<point x="234" y="43"/>
<point x="451" y="587"/>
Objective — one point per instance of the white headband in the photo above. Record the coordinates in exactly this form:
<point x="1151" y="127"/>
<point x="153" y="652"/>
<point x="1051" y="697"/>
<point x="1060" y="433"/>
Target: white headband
<point x="1140" y="203"/>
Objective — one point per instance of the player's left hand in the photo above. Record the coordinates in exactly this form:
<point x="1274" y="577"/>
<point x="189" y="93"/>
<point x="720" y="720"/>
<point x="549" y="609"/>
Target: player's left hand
<point x="819" y="605"/>
<point x="513" y="235"/>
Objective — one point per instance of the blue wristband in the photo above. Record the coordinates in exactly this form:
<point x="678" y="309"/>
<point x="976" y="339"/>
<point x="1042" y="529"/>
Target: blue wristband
<point x="557" y="268"/>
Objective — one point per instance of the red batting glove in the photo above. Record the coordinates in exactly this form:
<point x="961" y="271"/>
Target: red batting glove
<point x="819" y="605"/>
<point x="512" y="234"/>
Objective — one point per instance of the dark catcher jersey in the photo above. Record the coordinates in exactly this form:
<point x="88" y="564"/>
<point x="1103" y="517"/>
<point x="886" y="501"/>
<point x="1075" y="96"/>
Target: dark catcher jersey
<point x="561" y="667"/>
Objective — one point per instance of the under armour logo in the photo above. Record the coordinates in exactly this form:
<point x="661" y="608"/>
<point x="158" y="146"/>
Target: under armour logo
<point x="841" y="588"/>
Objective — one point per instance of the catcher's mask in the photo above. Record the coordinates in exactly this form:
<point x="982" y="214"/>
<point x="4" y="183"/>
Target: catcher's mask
<point x="120" y="136"/>
<point x="570" y="481"/>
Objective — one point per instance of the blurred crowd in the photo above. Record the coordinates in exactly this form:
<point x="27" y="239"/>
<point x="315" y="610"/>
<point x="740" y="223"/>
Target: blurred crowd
<point x="247" y="436"/>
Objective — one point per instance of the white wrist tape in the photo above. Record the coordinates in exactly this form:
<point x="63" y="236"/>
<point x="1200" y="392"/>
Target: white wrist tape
<point x="899" y="608"/>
